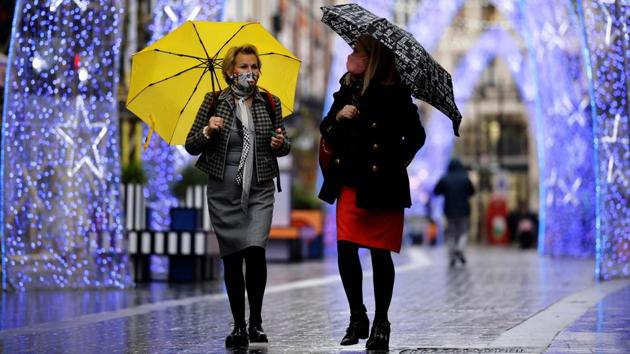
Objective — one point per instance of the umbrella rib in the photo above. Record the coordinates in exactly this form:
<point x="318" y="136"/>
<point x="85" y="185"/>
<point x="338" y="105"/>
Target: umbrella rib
<point x="232" y="37"/>
<point x="201" y="42"/>
<point x="167" y="78"/>
<point x="189" y="98"/>
<point x="282" y="55"/>
<point x="178" y="54"/>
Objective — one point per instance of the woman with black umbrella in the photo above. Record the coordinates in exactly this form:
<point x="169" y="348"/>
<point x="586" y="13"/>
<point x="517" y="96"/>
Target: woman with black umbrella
<point x="374" y="131"/>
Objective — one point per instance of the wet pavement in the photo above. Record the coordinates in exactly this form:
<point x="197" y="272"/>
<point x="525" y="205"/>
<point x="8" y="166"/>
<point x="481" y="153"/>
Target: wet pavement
<point x="503" y="301"/>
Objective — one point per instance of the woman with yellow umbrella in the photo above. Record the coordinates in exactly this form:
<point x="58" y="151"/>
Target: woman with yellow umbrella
<point x="238" y="131"/>
<point x="238" y="143"/>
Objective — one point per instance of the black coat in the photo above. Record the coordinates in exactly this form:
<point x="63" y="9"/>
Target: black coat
<point x="372" y="151"/>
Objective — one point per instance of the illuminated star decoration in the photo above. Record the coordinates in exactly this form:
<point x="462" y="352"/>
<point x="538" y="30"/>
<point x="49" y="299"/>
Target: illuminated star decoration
<point x="78" y="134"/>
<point x="171" y="14"/>
<point x="54" y="4"/>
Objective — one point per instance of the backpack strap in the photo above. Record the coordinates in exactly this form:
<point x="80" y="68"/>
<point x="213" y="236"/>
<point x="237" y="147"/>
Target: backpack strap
<point x="270" y="104"/>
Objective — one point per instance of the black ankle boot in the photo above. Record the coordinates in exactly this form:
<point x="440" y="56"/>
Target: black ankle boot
<point x="256" y="333"/>
<point x="238" y="337"/>
<point x="358" y="327"/>
<point x="379" y="336"/>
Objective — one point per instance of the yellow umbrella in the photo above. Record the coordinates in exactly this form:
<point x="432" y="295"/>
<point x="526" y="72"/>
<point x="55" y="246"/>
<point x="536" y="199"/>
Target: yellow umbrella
<point x="170" y="77"/>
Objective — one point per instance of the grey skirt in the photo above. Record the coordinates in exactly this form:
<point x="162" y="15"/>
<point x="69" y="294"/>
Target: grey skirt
<point x="236" y="230"/>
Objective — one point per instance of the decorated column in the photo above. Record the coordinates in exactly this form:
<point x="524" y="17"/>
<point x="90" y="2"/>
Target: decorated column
<point x="61" y="211"/>
<point x="607" y="62"/>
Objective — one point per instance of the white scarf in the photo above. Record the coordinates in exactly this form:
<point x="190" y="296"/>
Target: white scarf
<point x="246" y="163"/>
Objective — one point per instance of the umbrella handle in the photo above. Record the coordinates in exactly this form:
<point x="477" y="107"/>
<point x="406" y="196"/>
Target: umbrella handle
<point x="148" y="139"/>
<point x="150" y="134"/>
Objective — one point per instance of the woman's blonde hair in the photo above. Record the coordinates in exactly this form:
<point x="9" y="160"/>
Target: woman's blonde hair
<point x="229" y="61"/>
<point x="380" y="65"/>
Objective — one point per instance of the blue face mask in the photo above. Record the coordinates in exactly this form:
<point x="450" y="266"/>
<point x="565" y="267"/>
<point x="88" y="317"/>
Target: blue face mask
<point x="244" y="83"/>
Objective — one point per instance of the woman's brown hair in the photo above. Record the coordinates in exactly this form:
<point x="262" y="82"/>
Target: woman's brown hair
<point x="229" y="61"/>
<point x="380" y="65"/>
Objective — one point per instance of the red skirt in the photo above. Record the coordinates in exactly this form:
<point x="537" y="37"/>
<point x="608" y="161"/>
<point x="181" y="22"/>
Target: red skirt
<point x="373" y="228"/>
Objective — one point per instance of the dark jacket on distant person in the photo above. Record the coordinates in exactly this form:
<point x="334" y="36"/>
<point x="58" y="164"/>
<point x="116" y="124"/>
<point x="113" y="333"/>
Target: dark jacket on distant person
<point x="456" y="188"/>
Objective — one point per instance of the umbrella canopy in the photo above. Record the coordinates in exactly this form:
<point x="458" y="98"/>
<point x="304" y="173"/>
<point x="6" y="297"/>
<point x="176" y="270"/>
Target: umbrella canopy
<point x="170" y="77"/>
<point x="426" y="79"/>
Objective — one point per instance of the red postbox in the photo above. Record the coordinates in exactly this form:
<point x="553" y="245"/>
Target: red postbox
<point x="496" y="221"/>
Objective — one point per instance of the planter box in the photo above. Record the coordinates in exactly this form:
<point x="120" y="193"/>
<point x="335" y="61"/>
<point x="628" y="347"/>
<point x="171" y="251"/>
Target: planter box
<point x="134" y="206"/>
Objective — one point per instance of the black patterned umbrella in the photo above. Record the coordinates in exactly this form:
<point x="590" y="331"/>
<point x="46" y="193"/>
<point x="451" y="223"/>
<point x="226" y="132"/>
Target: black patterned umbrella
<point x="427" y="80"/>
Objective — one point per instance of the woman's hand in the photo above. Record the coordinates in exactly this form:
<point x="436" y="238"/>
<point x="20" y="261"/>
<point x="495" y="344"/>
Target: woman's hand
<point x="347" y="112"/>
<point x="214" y="125"/>
<point x="277" y="140"/>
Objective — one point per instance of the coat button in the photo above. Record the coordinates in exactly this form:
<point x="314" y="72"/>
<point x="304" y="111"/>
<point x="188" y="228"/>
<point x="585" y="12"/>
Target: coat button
<point x="337" y="161"/>
<point x="375" y="147"/>
<point x="373" y="124"/>
<point x="374" y="168"/>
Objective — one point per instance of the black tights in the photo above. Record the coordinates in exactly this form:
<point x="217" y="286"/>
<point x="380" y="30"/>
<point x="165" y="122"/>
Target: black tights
<point x="352" y="277"/>
<point x="255" y="280"/>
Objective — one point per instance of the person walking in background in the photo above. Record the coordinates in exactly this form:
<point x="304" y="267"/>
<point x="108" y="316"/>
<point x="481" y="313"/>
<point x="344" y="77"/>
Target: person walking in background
<point x="239" y="133"/>
<point x="375" y="131"/>
<point x="456" y="188"/>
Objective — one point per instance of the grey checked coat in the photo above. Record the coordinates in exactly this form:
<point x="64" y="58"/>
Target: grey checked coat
<point x="213" y="150"/>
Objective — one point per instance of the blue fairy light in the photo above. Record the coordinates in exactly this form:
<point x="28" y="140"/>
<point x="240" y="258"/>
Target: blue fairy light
<point x="60" y="163"/>
<point x="606" y="51"/>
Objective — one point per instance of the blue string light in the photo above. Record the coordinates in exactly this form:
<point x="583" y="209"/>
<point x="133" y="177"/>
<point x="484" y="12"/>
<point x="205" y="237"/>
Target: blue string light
<point x="540" y="135"/>
<point x="607" y="45"/>
<point x="60" y="171"/>
<point x="589" y="74"/>
<point x="567" y="180"/>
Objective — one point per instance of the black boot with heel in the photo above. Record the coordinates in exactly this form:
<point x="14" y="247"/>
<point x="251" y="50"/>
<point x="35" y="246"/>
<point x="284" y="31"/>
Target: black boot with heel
<point x="256" y="333"/>
<point x="238" y="337"/>
<point x="358" y="327"/>
<point x="379" y="336"/>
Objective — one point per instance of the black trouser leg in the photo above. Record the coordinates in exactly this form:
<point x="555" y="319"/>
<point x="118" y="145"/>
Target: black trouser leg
<point x="384" y="274"/>
<point x="235" y="286"/>
<point x="351" y="273"/>
<point x="255" y="281"/>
